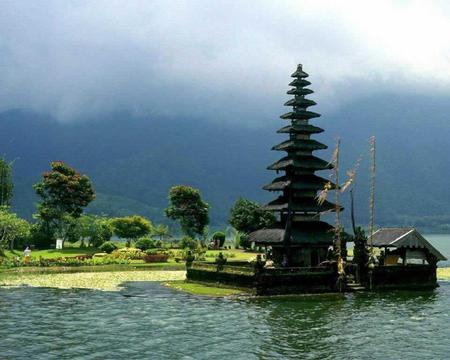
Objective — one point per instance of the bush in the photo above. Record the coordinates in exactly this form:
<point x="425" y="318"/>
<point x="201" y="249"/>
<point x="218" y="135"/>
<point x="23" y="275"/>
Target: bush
<point x="145" y="243"/>
<point x="128" y="254"/>
<point x="188" y="243"/>
<point x="244" y="242"/>
<point x="220" y="237"/>
<point x="156" y="257"/>
<point x="108" y="247"/>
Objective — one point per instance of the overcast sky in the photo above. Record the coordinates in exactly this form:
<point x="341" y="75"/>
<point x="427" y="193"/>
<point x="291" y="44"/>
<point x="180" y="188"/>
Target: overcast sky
<point x="223" y="60"/>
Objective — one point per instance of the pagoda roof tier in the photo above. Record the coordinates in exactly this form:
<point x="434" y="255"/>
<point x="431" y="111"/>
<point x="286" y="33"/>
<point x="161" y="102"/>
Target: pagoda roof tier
<point x="300" y="115"/>
<point x="299" y="91"/>
<point x="301" y="162"/>
<point x="305" y="182"/>
<point x="299" y="83"/>
<point x="299" y="205"/>
<point x="301" y="233"/>
<point x="300" y="102"/>
<point x="300" y="129"/>
<point x="299" y="73"/>
<point x="300" y="144"/>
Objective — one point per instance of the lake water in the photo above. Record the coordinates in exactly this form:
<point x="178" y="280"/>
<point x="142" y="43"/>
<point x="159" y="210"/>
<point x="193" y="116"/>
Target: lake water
<point x="442" y="243"/>
<point x="148" y="321"/>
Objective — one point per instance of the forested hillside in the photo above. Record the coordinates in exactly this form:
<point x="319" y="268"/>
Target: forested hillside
<point x="133" y="161"/>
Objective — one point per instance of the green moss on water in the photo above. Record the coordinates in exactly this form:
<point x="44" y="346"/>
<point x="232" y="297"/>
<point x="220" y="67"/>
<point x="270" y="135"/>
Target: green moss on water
<point x="201" y="289"/>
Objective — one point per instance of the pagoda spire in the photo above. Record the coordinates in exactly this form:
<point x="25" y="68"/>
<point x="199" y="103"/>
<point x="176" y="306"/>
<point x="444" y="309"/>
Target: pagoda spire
<point x="297" y="203"/>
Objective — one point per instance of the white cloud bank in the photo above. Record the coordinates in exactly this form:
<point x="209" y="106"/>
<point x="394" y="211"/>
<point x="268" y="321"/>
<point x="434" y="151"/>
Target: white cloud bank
<point x="224" y="60"/>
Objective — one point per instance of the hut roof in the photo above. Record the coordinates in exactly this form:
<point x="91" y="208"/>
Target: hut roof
<point x="299" y="82"/>
<point x="403" y="238"/>
<point x="305" y="232"/>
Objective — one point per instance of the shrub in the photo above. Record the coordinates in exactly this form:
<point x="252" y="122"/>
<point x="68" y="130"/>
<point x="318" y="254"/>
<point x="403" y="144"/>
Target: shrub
<point x="128" y="254"/>
<point x="145" y="243"/>
<point x="220" y="237"/>
<point x="244" y="241"/>
<point x="156" y="257"/>
<point x="188" y="243"/>
<point x="108" y="247"/>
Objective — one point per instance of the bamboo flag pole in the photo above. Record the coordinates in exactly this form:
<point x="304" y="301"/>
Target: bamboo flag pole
<point x="372" y="190"/>
<point x="336" y="198"/>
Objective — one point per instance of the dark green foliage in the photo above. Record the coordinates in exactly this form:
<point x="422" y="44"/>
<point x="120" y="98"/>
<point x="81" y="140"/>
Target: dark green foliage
<point x="100" y="232"/>
<point x="219" y="236"/>
<point x="108" y="247"/>
<point x="188" y="243"/>
<point x="360" y="251"/>
<point x="6" y="183"/>
<point x="40" y="236"/>
<point x="187" y="207"/>
<point x="64" y="190"/>
<point x="247" y="216"/>
<point x="131" y="227"/>
<point x="244" y="242"/>
<point x="64" y="193"/>
<point x="144" y="243"/>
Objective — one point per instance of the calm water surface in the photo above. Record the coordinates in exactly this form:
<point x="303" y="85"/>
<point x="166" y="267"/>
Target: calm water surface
<point x="148" y="321"/>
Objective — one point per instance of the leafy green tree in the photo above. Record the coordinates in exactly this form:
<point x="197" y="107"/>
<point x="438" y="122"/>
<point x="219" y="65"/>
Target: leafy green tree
<point x="95" y="229"/>
<point x="131" y="227"/>
<point x="161" y="232"/>
<point x="248" y="216"/>
<point x="12" y="228"/>
<point x="6" y="182"/>
<point x="187" y="207"/>
<point x="219" y="236"/>
<point x="64" y="193"/>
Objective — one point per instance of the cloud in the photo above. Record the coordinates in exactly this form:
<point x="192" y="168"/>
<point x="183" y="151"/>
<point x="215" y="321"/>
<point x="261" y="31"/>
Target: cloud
<point x="224" y="60"/>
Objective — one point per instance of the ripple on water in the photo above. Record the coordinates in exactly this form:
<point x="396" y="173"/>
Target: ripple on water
<point x="148" y="321"/>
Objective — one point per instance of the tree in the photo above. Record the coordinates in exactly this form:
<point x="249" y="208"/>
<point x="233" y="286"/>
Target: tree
<point x="64" y="193"/>
<point x="11" y="229"/>
<point x="248" y="216"/>
<point x="95" y="229"/>
<point x="187" y="207"/>
<point x="131" y="227"/>
<point x="161" y="231"/>
<point x="6" y="183"/>
<point x="219" y="238"/>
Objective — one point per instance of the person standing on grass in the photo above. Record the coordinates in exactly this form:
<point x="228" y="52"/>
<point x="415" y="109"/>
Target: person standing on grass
<point x="27" y="254"/>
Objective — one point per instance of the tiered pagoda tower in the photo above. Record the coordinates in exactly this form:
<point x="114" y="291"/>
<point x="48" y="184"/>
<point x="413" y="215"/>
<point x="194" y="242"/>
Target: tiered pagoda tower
<point x="299" y="238"/>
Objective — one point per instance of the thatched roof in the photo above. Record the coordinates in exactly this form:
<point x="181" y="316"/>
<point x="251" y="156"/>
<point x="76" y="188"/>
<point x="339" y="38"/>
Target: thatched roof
<point x="300" y="129"/>
<point x="305" y="162"/>
<point x="300" y="144"/>
<point x="300" y="102"/>
<point x="300" y="114"/>
<point x="299" y="82"/>
<point x="299" y="91"/>
<point x="299" y="205"/>
<point x="299" y="73"/>
<point x="403" y="238"/>
<point x="302" y="233"/>
<point x="302" y="182"/>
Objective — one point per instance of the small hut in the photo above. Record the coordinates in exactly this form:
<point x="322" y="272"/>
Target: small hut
<point x="405" y="246"/>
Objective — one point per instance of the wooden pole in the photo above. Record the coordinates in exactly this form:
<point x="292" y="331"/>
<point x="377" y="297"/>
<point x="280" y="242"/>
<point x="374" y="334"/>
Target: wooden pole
<point x="337" y="199"/>
<point x="372" y="191"/>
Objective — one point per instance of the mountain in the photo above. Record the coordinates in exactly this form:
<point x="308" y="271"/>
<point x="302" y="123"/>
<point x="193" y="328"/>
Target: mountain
<point x="133" y="161"/>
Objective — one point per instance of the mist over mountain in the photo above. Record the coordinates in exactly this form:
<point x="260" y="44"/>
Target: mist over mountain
<point x="133" y="161"/>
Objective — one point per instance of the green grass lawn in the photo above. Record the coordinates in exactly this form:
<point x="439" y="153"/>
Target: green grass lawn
<point x="232" y="255"/>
